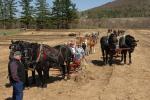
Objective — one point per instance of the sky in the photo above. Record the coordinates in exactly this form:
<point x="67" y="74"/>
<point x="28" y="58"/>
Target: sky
<point x="81" y="5"/>
<point x="86" y="4"/>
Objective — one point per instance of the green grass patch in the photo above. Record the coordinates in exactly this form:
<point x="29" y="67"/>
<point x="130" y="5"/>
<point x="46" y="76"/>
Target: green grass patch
<point x="9" y="31"/>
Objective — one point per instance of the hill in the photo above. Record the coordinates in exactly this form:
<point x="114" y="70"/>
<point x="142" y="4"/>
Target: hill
<point x="120" y="9"/>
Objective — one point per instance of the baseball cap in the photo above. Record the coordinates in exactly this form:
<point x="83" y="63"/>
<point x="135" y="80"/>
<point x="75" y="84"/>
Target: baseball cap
<point x="17" y="53"/>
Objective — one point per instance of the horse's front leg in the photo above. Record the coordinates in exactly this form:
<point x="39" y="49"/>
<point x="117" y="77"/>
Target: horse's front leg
<point x="125" y="56"/>
<point x="103" y="54"/>
<point x="111" y="59"/>
<point x="45" y="73"/>
<point x="94" y="49"/>
<point x="63" y="71"/>
<point x="68" y="69"/>
<point x="106" y="58"/>
<point x="26" y="78"/>
<point x="130" y="62"/>
<point x="33" y="77"/>
<point x="122" y="55"/>
<point x="40" y="77"/>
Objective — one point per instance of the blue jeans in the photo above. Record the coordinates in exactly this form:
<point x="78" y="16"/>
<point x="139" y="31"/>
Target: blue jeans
<point x="17" y="90"/>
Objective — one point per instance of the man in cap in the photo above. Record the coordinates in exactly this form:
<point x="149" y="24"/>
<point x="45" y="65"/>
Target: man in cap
<point x="17" y="76"/>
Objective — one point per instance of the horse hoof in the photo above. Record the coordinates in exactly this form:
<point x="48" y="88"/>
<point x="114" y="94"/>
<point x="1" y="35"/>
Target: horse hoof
<point x="129" y="63"/>
<point x="44" y="86"/>
<point x="110" y="64"/>
<point x="68" y="77"/>
<point x="33" y="82"/>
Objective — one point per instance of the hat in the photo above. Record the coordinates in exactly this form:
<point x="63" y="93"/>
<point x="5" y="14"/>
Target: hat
<point x="17" y="53"/>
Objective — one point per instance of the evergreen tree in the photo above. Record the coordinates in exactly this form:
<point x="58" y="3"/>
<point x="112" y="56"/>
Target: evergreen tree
<point x="7" y="12"/>
<point x="1" y="12"/>
<point x="11" y="9"/>
<point x="42" y="13"/>
<point x="56" y="13"/>
<point x="27" y="12"/>
<point x="1" y="9"/>
<point x="63" y="13"/>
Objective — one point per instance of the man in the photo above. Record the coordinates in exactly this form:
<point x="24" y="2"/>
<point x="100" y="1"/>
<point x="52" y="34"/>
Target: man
<point x="17" y="76"/>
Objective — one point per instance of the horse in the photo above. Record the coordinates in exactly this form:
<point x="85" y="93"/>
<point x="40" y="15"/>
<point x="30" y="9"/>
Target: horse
<point x="47" y="57"/>
<point x="67" y="56"/>
<point x="108" y="46"/>
<point x="128" y="43"/>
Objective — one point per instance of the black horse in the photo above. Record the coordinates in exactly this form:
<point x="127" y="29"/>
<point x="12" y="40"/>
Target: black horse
<point x="128" y="43"/>
<point x="108" y="46"/>
<point x="67" y="55"/>
<point x="46" y="57"/>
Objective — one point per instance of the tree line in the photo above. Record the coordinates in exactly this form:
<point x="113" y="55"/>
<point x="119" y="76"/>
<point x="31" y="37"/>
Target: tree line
<point x="37" y="14"/>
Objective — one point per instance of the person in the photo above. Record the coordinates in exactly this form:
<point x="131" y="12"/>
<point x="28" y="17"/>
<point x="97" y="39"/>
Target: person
<point x="79" y="52"/>
<point x="17" y="76"/>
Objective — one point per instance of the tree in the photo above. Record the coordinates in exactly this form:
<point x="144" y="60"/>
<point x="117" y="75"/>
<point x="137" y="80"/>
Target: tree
<point x="27" y="12"/>
<point x="11" y="9"/>
<point x="63" y="13"/>
<point x="4" y="12"/>
<point x="1" y="11"/>
<point x="7" y="12"/>
<point x="42" y="13"/>
<point x="56" y="13"/>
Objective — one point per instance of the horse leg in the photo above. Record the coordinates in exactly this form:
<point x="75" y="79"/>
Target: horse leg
<point x="26" y="78"/>
<point x="130" y="58"/>
<point x="94" y="49"/>
<point x="48" y="67"/>
<point x="90" y="49"/>
<point x="40" y="77"/>
<point x="33" y="77"/>
<point x="45" y="72"/>
<point x="63" y="71"/>
<point x="122" y="55"/>
<point x="106" y="58"/>
<point x="111" y="59"/>
<point x="68" y="70"/>
<point x="103" y="54"/>
<point x="125" y="56"/>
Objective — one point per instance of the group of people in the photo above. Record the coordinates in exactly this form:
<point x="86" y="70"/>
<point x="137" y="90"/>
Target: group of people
<point x="77" y="50"/>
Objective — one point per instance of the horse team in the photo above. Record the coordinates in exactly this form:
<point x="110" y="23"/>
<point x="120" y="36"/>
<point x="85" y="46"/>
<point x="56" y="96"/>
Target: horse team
<point x="41" y="57"/>
<point x="115" y="43"/>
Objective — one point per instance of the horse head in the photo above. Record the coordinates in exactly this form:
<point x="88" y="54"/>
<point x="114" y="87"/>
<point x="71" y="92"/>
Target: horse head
<point x="112" y="40"/>
<point x="130" y="41"/>
<point x="14" y="46"/>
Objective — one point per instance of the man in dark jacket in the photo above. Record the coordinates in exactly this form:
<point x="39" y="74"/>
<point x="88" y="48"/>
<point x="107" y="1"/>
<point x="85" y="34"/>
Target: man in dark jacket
<point x="17" y="76"/>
